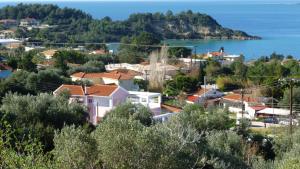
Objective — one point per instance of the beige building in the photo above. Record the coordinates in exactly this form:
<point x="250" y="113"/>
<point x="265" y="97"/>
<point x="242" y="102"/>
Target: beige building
<point x="49" y="53"/>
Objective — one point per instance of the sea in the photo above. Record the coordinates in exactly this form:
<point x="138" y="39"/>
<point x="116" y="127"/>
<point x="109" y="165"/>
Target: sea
<point x="277" y="22"/>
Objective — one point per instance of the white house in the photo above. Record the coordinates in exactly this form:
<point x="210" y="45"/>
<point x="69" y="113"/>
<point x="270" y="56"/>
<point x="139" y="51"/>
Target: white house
<point x="188" y="61"/>
<point x="215" y="55"/>
<point x="148" y="99"/>
<point x="203" y="94"/>
<point x="273" y="112"/>
<point x="100" y="99"/>
<point x="232" y="58"/>
<point x="234" y="103"/>
<point x="144" y="69"/>
<point x="254" y="107"/>
<point x="124" y="78"/>
<point x="29" y="22"/>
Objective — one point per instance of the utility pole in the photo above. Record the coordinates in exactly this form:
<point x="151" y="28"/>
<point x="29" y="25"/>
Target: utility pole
<point x="291" y="106"/>
<point x="291" y="82"/>
<point x="242" y="99"/>
<point x="204" y="86"/>
<point x="147" y="81"/>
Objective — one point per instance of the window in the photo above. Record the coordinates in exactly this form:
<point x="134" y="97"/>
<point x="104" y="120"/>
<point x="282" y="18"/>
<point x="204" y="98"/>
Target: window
<point x="144" y="100"/>
<point x="154" y="100"/>
<point x="133" y="98"/>
<point x="90" y="100"/>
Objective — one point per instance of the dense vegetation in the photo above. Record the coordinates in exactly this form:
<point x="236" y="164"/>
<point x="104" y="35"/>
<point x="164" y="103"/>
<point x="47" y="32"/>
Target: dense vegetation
<point x="129" y="138"/>
<point x="72" y="25"/>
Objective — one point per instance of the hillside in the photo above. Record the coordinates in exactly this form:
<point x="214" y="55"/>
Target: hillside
<point x="76" y="26"/>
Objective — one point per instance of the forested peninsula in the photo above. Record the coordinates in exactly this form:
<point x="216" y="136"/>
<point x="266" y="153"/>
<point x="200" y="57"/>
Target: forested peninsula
<point x="69" y="25"/>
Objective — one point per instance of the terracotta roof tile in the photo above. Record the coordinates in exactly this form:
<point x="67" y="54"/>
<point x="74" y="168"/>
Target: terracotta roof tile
<point x="192" y="98"/>
<point x="238" y="97"/>
<point x="96" y="90"/>
<point x="112" y="75"/>
<point x="98" y="52"/>
<point x="216" y="53"/>
<point x="73" y="89"/>
<point x="101" y="90"/>
<point x="201" y="91"/>
<point x="258" y="107"/>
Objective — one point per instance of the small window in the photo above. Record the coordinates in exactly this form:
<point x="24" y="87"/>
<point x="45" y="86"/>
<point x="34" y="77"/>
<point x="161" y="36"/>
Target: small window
<point x="90" y="100"/>
<point x="154" y="100"/>
<point x="144" y="100"/>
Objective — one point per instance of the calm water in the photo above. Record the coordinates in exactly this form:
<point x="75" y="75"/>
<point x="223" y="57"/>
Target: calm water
<point x="277" y="24"/>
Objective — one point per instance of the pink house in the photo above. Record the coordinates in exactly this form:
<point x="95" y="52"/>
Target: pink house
<point x="99" y="99"/>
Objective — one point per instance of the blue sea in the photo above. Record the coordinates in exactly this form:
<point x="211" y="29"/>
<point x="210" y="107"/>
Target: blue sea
<point x="277" y="23"/>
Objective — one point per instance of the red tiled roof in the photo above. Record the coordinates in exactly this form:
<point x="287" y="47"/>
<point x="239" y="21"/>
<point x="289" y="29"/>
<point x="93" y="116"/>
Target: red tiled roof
<point x="73" y="89"/>
<point x="238" y="97"/>
<point x="201" y="91"/>
<point x="99" y="52"/>
<point x="192" y="98"/>
<point x="258" y="107"/>
<point x="112" y="75"/>
<point x="101" y="90"/>
<point x="216" y="53"/>
<point x="96" y="90"/>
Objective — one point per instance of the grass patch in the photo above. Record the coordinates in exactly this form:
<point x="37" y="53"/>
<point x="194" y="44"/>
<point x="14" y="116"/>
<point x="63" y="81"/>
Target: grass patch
<point x="271" y="131"/>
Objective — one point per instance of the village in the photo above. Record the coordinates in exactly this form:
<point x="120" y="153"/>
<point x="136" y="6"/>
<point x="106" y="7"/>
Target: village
<point x="101" y="91"/>
<point x="148" y="84"/>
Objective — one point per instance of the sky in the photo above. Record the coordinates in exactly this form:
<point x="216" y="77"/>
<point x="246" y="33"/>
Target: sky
<point x="223" y="1"/>
<point x="277" y="1"/>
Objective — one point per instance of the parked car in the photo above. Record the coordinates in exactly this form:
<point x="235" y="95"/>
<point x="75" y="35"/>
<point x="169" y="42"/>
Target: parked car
<point x="287" y="122"/>
<point x="273" y="120"/>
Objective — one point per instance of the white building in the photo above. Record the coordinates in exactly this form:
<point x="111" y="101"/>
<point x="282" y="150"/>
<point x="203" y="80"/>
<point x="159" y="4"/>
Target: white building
<point x="148" y="99"/>
<point x="234" y="104"/>
<point x="273" y="112"/>
<point x="204" y="94"/>
<point x="232" y="58"/>
<point x="100" y="99"/>
<point x="29" y="22"/>
<point x="144" y="68"/>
